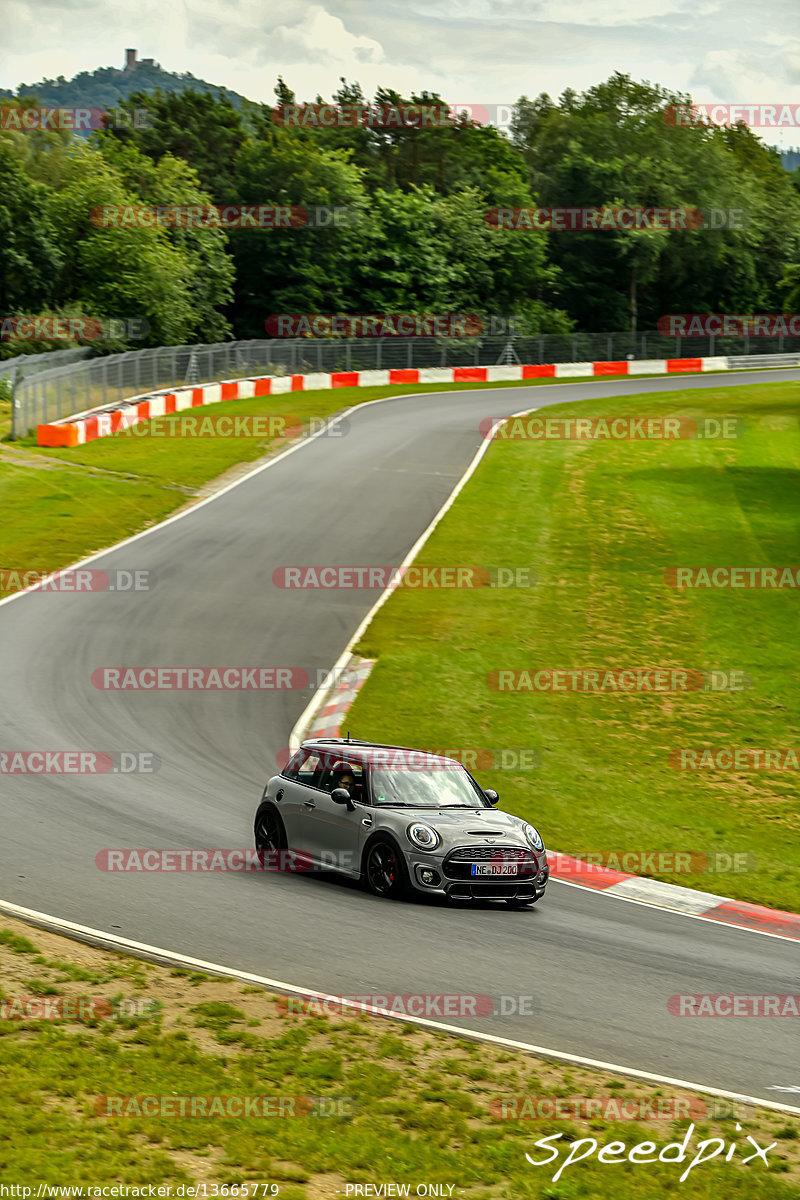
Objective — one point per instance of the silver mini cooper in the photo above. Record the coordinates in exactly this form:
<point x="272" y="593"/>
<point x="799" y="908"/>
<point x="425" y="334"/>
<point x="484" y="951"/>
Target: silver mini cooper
<point x="400" y="820"/>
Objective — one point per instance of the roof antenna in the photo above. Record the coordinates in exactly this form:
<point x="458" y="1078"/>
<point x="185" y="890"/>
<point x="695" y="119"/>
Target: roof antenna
<point x="348" y="735"/>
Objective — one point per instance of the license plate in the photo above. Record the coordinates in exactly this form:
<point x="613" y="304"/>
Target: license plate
<point x="494" y="868"/>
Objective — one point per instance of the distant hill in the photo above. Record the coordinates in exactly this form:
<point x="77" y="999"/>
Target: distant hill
<point x="107" y="86"/>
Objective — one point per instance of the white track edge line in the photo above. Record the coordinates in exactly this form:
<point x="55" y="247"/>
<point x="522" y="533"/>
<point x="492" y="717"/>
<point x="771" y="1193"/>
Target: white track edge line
<point x="318" y="701"/>
<point x="110" y="941"/>
<point x="677" y="912"/>
<point x="304" y="441"/>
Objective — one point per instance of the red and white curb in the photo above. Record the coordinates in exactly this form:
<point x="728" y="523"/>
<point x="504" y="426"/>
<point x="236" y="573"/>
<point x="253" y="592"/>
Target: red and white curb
<point x="312" y="722"/>
<point x="327" y="720"/>
<point x="111" y="418"/>
<point x="671" y="895"/>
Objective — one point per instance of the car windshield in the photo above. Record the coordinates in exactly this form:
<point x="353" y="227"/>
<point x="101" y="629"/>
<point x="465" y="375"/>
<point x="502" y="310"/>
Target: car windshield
<point x="446" y="787"/>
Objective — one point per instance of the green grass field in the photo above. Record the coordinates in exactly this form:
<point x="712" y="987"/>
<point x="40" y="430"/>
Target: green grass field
<point x="600" y="523"/>
<point x="116" y="486"/>
<point x="407" y="1106"/>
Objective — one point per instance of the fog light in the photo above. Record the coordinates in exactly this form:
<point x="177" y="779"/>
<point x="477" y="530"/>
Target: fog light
<point x="428" y="876"/>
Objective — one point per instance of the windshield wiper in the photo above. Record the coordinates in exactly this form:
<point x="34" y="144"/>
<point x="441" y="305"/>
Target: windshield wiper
<point x="467" y="806"/>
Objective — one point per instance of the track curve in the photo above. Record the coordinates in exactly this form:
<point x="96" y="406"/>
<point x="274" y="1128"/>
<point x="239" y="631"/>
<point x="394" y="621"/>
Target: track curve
<point x="363" y="499"/>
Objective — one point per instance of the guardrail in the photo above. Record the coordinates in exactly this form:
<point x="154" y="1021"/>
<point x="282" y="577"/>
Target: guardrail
<point x="52" y="392"/>
<point x="30" y="364"/>
<point x="103" y="420"/>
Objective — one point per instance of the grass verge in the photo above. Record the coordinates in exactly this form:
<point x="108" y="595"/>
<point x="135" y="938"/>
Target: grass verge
<point x="414" y="1108"/>
<point x="600" y="523"/>
<point x="70" y="503"/>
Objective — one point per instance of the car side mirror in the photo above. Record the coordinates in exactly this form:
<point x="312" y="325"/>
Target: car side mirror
<point x="342" y="796"/>
<point x="491" y="796"/>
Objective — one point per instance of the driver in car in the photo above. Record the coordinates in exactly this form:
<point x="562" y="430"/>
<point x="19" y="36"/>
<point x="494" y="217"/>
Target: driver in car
<point x="347" y="781"/>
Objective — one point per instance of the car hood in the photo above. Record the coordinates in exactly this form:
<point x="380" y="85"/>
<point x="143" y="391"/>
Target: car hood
<point x="467" y="827"/>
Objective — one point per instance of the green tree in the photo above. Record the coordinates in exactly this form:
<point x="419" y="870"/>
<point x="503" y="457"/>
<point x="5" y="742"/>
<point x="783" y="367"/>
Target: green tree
<point x="206" y="131"/>
<point x="30" y="254"/>
<point x="118" y="272"/>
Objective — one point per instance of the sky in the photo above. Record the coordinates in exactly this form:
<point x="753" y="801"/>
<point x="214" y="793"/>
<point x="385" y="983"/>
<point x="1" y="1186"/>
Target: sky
<point x="472" y="52"/>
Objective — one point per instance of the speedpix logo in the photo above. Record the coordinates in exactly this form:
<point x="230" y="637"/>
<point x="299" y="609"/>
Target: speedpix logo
<point x="643" y="1152"/>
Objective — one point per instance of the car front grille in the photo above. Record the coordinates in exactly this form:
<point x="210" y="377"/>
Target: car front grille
<point x="488" y="853"/>
<point x="458" y="863"/>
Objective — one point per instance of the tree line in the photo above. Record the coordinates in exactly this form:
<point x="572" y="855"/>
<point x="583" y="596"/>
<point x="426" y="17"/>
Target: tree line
<point x="412" y="233"/>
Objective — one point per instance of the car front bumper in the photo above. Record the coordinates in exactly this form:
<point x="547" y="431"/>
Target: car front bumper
<point x="446" y="876"/>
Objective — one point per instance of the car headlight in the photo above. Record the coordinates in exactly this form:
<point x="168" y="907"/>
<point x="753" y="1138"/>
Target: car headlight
<point x="533" y="836"/>
<point x="423" y="836"/>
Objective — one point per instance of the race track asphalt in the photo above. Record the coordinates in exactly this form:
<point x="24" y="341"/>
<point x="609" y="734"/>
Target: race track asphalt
<point x="599" y="971"/>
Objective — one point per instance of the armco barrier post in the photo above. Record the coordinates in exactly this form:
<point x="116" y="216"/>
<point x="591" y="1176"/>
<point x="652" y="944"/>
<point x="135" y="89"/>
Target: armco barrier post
<point x="15" y="402"/>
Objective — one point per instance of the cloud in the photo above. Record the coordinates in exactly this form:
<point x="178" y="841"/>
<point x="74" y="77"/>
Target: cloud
<point x="470" y="51"/>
